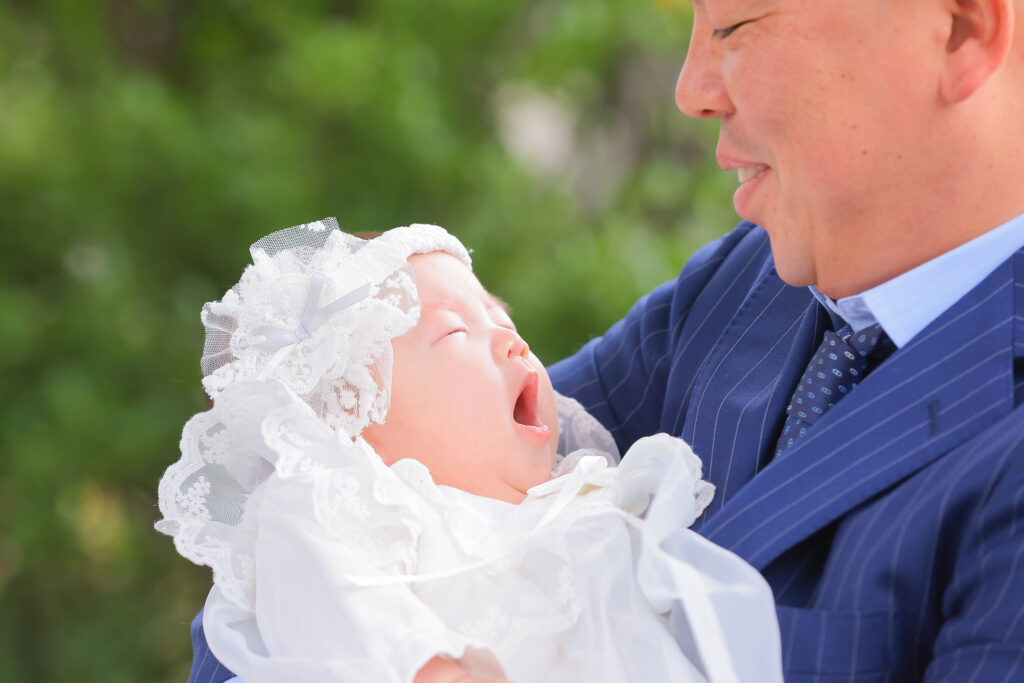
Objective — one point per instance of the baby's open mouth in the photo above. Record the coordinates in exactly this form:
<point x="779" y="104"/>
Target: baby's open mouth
<point x="525" y="411"/>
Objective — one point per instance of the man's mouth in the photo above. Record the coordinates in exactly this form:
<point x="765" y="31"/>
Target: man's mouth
<point x="748" y="172"/>
<point x="525" y="411"/>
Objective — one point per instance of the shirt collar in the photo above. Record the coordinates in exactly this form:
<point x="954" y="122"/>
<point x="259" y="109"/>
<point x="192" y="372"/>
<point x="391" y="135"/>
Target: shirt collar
<point x="908" y="303"/>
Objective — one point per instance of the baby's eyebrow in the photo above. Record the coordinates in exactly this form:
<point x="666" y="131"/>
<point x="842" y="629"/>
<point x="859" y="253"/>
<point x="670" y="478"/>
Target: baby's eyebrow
<point x="498" y="302"/>
<point x="439" y="304"/>
<point x="451" y="304"/>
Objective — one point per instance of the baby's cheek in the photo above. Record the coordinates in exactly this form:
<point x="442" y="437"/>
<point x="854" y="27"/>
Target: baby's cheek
<point x="546" y="408"/>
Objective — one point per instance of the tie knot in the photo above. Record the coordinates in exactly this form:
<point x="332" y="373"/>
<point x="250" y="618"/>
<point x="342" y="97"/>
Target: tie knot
<point x="844" y="358"/>
<point x="866" y="340"/>
<point x="872" y="342"/>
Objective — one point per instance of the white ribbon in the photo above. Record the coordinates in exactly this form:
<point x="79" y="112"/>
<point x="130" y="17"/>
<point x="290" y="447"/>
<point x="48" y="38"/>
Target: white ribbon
<point x="282" y="339"/>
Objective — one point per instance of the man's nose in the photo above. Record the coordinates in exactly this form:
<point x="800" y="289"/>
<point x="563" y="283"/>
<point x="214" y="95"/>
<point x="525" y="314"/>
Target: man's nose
<point x="700" y="91"/>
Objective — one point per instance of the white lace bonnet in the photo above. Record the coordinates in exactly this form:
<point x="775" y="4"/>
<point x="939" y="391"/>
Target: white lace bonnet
<point x="294" y="314"/>
<point x="308" y="324"/>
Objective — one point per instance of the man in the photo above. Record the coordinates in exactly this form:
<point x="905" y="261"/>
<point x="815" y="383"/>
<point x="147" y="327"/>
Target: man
<point x="878" y="144"/>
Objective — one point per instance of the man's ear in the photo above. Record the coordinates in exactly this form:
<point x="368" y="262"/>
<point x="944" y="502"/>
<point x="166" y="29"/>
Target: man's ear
<point x="980" y="36"/>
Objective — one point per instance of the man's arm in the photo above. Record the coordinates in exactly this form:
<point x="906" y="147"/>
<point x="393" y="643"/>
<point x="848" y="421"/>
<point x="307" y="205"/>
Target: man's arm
<point x="205" y="667"/>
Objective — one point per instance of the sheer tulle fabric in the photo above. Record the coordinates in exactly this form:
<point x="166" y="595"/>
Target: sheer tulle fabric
<point x="330" y="566"/>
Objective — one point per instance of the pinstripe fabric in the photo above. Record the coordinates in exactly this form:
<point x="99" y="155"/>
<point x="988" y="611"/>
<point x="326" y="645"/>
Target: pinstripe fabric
<point x="893" y="532"/>
<point x="205" y="667"/>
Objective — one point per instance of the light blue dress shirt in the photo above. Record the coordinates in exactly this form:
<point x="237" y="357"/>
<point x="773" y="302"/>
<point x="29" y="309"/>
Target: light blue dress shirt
<point x="906" y="304"/>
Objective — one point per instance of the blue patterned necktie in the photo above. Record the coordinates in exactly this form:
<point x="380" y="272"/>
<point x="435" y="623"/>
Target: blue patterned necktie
<point x="840" y="363"/>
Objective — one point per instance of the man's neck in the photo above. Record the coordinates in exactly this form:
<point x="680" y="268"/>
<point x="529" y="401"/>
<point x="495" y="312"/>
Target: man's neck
<point x="909" y="302"/>
<point x="943" y="223"/>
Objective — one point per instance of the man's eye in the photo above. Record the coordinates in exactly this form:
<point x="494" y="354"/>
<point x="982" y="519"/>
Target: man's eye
<point x="723" y="33"/>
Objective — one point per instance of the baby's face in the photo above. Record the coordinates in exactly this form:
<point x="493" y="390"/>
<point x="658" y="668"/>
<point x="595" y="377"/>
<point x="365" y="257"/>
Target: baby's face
<point x="468" y="399"/>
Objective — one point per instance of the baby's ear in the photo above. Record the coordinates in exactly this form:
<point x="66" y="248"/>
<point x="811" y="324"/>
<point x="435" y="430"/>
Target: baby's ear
<point x="980" y="36"/>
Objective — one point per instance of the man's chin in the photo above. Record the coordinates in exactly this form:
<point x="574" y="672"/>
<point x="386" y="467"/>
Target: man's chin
<point x="795" y="276"/>
<point x="790" y="267"/>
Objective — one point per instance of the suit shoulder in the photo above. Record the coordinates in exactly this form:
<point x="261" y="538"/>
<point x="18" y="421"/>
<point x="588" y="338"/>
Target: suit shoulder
<point x="742" y="240"/>
<point x="744" y="249"/>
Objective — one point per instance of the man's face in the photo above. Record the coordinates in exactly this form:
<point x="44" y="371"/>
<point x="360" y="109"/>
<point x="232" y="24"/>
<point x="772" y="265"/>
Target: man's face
<point x="825" y="108"/>
<point x="468" y="398"/>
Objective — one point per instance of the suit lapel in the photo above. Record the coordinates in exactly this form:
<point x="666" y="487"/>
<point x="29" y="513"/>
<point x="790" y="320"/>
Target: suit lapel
<point x="733" y="417"/>
<point x="948" y="383"/>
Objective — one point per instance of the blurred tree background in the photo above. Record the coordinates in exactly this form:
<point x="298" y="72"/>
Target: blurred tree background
<point x="145" y="144"/>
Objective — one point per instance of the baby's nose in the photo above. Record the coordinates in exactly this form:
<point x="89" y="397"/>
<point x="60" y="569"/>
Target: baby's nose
<point x="519" y="347"/>
<point x="511" y="345"/>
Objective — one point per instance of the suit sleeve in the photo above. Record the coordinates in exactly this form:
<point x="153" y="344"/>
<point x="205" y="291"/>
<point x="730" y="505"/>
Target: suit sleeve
<point x="205" y="666"/>
<point x="982" y="634"/>
<point x="620" y="377"/>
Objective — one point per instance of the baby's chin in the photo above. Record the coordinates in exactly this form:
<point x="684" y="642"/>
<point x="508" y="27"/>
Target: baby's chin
<point x="542" y="474"/>
<point x="533" y="467"/>
<point x="552" y="454"/>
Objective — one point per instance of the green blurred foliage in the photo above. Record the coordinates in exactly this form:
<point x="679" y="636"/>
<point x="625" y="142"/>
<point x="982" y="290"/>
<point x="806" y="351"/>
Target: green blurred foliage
<point x="144" y="145"/>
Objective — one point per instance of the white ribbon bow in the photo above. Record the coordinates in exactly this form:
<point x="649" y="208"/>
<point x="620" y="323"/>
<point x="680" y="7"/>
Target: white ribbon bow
<point x="282" y="339"/>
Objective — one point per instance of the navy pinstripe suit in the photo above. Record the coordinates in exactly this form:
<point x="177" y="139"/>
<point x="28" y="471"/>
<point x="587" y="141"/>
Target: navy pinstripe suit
<point x="893" y="532"/>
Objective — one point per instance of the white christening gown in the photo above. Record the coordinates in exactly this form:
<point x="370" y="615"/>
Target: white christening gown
<point x="330" y="566"/>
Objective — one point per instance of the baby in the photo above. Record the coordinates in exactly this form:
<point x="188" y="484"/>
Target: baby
<point x="469" y="400"/>
<point x="378" y="492"/>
